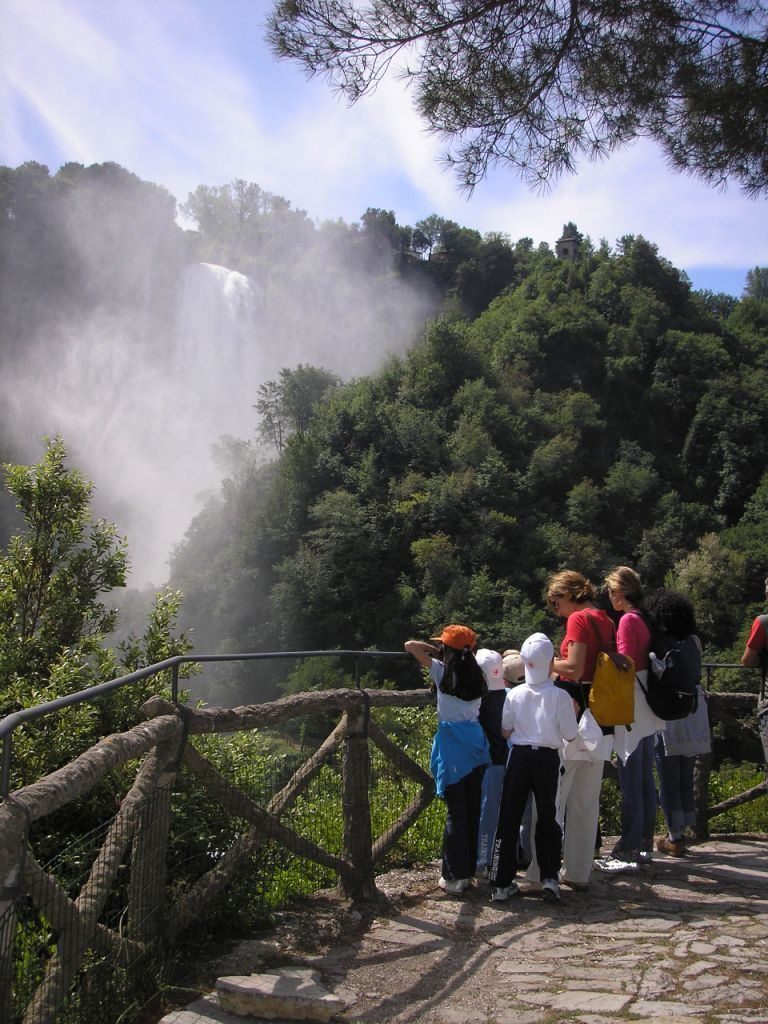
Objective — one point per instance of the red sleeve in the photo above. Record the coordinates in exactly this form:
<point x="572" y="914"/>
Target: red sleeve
<point x="758" y="638"/>
<point x="578" y="630"/>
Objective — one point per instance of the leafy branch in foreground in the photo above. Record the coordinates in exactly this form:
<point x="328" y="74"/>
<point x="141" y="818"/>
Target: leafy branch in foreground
<point x="537" y="85"/>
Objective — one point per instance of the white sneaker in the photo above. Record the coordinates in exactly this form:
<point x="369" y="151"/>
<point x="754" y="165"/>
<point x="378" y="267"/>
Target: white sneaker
<point x="550" y="890"/>
<point x="615" y="866"/>
<point x="499" y="893"/>
<point x="454" y="886"/>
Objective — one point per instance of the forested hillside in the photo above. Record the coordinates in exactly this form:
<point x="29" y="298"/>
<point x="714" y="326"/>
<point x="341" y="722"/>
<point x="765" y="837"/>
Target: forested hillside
<point x="526" y="412"/>
<point x="597" y="412"/>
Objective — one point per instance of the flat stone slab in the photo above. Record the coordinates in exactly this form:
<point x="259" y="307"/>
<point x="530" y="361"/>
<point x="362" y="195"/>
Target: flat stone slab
<point x="578" y="1001"/>
<point x="291" y="993"/>
<point x="647" y="1008"/>
<point x="205" y="1010"/>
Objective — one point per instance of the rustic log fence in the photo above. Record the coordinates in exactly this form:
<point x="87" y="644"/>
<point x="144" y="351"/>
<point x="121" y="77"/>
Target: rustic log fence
<point x="137" y="838"/>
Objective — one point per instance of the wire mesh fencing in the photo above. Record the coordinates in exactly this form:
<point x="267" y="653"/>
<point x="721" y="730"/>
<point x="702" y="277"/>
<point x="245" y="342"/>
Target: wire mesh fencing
<point x="242" y="830"/>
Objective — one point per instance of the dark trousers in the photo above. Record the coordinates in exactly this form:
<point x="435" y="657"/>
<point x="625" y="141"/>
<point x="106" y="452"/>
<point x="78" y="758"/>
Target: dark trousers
<point x="529" y="770"/>
<point x="462" y="801"/>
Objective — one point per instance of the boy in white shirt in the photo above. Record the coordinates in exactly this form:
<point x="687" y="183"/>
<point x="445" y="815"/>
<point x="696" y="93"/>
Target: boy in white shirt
<point x="538" y="716"/>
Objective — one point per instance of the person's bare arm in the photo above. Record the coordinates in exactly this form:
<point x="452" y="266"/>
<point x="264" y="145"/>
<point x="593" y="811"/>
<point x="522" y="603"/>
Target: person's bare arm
<point x="572" y="667"/>
<point x="422" y="651"/>
<point x="750" y="658"/>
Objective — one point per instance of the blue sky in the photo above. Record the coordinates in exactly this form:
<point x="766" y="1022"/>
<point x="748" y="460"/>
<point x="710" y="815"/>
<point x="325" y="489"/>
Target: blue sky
<point x="185" y="92"/>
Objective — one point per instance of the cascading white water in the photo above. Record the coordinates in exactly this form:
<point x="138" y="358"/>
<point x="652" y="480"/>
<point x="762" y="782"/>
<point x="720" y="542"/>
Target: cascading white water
<point x="219" y="359"/>
<point x="139" y="415"/>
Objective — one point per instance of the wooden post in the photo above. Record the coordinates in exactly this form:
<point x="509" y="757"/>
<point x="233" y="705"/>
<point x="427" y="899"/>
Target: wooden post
<point x="12" y="832"/>
<point x="701" y="772"/>
<point x="361" y="884"/>
<point x="146" y="889"/>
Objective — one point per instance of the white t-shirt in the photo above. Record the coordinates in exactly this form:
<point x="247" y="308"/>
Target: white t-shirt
<point x="452" y="709"/>
<point x="539" y="715"/>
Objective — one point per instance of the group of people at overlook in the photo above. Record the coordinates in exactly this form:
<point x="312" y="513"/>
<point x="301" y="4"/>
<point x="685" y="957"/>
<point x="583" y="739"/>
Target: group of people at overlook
<point x="516" y="755"/>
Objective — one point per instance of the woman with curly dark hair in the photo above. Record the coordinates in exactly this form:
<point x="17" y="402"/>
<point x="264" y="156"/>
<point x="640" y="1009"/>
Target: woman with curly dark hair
<point x="674" y="624"/>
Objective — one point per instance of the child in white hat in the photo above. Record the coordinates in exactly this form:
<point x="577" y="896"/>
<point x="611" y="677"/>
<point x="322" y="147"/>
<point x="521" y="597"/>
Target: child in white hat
<point x="537" y="717"/>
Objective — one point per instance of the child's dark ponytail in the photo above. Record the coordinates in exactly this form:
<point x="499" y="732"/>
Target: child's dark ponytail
<point x="462" y="677"/>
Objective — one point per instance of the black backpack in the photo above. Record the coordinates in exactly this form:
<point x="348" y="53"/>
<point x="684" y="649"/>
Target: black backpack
<point x="671" y="687"/>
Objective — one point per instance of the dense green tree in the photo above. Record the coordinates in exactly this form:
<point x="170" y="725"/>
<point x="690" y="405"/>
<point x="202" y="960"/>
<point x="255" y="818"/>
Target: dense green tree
<point x="99" y="237"/>
<point x="537" y="86"/>
<point x="385" y="242"/>
<point x="726" y="448"/>
<point x="54" y="618"/>
<point x="245" y="227"/>
<point x="713" y="577"/>
<point x="426" y="234"/>
<point x="55" y="571"/>
<point x="572" y="423"/>
<point x="286" y="406"/>
<point x="485" y="275"/>
<point x="757" y="284"/>
<point x="667" y="532"/>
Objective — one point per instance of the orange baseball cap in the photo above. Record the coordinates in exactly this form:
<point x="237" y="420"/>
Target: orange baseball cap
<point x="457" y="637"/>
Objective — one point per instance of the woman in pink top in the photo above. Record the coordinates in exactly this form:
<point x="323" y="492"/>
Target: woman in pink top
<point x="635" y="748"/>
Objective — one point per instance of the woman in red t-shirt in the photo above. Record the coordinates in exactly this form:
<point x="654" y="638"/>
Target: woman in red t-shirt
<point x="571" y="595"/>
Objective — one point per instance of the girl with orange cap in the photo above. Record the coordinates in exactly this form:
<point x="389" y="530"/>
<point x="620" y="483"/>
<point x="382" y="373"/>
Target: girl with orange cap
<point x="460" y="750"/>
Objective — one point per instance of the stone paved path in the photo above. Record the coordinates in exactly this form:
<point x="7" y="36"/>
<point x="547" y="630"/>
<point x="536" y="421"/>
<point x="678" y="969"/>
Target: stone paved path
<point x="685" y="940"/>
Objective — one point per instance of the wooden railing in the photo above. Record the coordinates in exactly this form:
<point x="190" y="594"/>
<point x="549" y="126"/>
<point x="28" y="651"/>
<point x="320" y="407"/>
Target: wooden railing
<point x="720" y="704"/>
<point x="160" y="746"/>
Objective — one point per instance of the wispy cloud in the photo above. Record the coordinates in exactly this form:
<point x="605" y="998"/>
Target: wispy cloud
<point x="185" y="92"/>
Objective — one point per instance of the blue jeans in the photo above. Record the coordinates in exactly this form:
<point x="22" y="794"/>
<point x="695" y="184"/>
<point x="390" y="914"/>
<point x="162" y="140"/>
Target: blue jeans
<point x="638" y="801"/>
<point x="493" y="780"/>
<point x="676" y="789"/>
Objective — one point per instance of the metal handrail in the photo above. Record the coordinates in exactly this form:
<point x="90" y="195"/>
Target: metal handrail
<point x="709" y="665"/>
<point x="11" y="722"/>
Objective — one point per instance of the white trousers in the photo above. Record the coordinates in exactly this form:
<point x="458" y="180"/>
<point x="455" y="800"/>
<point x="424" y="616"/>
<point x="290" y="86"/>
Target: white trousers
<point x="578" y="810"/>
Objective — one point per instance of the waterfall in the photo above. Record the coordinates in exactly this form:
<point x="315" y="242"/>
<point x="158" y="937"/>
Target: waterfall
<point x="139" y="400"/>
<point x="218" y="362"/>
<point x="143" y="380"/>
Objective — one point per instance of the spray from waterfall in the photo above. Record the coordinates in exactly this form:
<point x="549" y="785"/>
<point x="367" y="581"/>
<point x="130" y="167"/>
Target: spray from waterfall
<point x="142" y="391"/>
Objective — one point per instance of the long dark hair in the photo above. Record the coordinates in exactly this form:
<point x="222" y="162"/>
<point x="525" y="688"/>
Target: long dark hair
<point x="462" y="676"/>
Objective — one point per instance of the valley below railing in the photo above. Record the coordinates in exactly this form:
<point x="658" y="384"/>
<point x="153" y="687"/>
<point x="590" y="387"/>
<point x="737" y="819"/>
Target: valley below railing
<point x="76" y="939"/>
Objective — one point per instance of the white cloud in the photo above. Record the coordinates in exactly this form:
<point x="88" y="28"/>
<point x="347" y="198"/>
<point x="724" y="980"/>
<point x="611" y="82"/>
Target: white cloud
<point x="184" y="93"/>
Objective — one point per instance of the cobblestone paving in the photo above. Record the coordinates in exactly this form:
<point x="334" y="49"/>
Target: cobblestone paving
<point x="686" y="940"/>
<point x="683" y="942"/>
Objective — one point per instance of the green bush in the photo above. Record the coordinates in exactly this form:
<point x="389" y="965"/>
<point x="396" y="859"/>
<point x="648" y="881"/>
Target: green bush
<point x="729" y="780"/>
